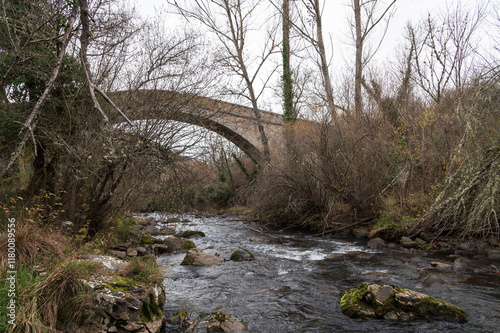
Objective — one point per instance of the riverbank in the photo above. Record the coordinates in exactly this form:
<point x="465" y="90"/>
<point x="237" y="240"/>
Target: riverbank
<point x="290" y="266"/>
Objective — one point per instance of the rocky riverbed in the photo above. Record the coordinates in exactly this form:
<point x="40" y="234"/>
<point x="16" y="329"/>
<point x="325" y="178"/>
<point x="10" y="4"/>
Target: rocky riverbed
<point x="296" y="281"/>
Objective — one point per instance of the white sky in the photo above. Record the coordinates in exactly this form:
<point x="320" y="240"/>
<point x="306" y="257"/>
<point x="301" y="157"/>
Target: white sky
<point x="336" y="14"/>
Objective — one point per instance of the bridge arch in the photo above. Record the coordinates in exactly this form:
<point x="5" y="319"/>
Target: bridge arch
<point x="234" y="122"/>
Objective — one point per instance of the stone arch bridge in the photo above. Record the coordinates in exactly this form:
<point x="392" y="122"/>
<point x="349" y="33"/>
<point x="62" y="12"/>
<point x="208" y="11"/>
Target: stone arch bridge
<point x="234" y="122"/>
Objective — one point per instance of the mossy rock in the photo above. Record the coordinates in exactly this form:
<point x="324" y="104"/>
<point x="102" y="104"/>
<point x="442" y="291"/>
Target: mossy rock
<point x="147" y="240"/>
<point x="174" y="243"/>
<point x="221" y="321"/>
<point x="118" y="284"/>
<point x="197" y="257"/>
<point x="178" y="318"/>
<point x="152" y="310"/>
<point x="188" y="245"/>
<point x="392" y="302"/>
<point x="191" y="233"/>
<point x="242" y="255"/>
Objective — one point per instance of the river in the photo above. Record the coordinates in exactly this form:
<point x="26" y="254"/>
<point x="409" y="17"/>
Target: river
<point x="292" y="287"/>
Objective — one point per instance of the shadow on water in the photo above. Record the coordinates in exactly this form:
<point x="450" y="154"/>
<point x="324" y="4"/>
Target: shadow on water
<point x="293" y="287"/>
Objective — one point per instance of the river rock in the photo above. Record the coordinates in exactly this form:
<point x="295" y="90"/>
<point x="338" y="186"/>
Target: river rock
<point x="360" y="232"/>
<point x="420" y="241"/>
<point x="192" y="233"/>
<point x="131" y="252"/>
<point x="426" y="236"/>
<point x="163" y="231"/>
<point x="148" y="240"/>
<point x="256" y="239"/>
<point x="408" y="243"/>
<point x="433" y="280"/>
<point x="159" y="249"/>
<point x="173" y="220"/>
<point x="494" y="254"/>
<point x="461" y="263"/>
<point x="441" y="265"/>
<point x="143" y="221"/>
<point x="122" y="305"/>
<point x="242" y="255"/>
<point x="376" y="243"/>
<point x="394" y="303"/>
<point x="141" y="250"/>
<point x="493" y="241"/>
<point x="186" y="245"/>
<point x="197" y="257"/>
<point x="174" y="243"/>
<point x="482" y="247"/>
<point x="222" y="322"/>
<point x="118" y="254"/>
<point x="335" y="256"/>
<point x="109" y="263"/>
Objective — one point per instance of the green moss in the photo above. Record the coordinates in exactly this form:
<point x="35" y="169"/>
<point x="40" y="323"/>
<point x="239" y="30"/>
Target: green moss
<point x="119" y="283"/>
<point x="189" y="258"/>
<point x="188" y="245"/>
<point x="190" y="233"/>
<point x="181" y="313"/>
<point x="151" y="310"/>
<point x="219" y="316"/>
<point x="426" y="246"/>
<point x="352" y="303"/>
<point x="437" y="307"/>
<point x="147" y="240"/>
<point x="236" y="257"/>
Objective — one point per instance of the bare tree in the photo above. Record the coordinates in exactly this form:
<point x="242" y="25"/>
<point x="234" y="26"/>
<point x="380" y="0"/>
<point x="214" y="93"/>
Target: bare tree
<point x="366" y="19"/>
<point x="289" y="114"/>
<point x="231" y="21"/>
<point x="308" y="24"/>
<point x="444" y="50"/>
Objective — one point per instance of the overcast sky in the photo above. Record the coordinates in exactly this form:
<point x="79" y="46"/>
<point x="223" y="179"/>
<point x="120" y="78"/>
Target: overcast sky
<point x="337" y="14"/>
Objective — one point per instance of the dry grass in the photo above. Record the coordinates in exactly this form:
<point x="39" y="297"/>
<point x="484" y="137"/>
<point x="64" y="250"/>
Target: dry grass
<point x="46" y="303"/>
<point x="31" y="241"/>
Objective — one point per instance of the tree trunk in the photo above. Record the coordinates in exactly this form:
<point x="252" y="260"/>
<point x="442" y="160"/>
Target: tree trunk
<point x="327" y="82"/>
<point x="289" y="114"/>
<point x="358" y="76"/>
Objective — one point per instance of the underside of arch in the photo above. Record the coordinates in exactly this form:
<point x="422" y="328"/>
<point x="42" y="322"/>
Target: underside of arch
<point x="248" y="148"/>
<point x="168" y="105"/>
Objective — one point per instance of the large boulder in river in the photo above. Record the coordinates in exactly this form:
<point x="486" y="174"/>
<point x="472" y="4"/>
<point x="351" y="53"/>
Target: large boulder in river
<point x="242" y="255"/>
<point x="174" y="243"/>
<point x="394" y="303"/>
<point x="197" y="257"/>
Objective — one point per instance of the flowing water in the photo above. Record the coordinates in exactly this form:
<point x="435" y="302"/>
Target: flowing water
<point x="292" y="287"/>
